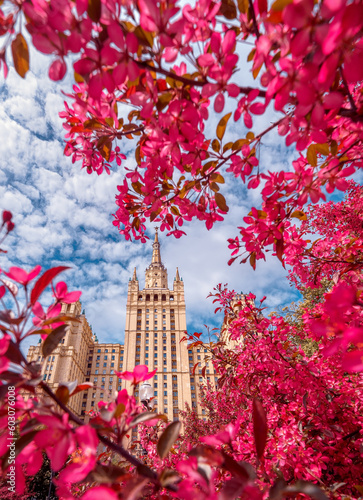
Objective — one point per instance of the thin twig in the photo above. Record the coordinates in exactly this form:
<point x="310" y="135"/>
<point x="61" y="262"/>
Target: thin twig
<point x="254" y="20"/>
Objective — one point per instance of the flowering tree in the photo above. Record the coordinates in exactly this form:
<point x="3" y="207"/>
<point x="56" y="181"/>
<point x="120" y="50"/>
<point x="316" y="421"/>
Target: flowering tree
<point x="151" y="71"/>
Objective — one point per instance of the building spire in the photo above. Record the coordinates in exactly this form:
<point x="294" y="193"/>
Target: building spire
<point x="156" y="258"/>
<point x="177" y="277"/>
<point x="134" y="276"/>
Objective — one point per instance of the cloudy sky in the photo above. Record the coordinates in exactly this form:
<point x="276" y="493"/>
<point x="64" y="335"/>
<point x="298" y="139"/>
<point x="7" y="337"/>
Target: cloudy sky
<point x="63" y="215"/>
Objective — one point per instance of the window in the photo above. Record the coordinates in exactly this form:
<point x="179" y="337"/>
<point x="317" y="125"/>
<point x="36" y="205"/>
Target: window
<point x="113" y="350"/>
<point x="155" y="393"/>
<point x="98" y="358"/>
<point x="96" y="372"/>
<point x="104" y="365"/>
<point x="165" y="385"/>
<point x="113" y="357"/>
<point x="98" y="350"/>
<point x="155" y="354"/>
<point x="106" y="350"/>
<point x="112" y="365"/>
<point x="106" y="356"/>
<point x="165" y="377"/>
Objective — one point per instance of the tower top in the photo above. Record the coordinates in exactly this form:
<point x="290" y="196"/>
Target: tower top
<point x="156" y="274"/>
<point x="156" y="258"/>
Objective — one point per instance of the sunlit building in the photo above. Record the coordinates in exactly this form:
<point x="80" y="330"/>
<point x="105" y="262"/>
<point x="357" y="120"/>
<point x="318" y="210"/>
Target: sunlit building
<point x="155" y="325"/>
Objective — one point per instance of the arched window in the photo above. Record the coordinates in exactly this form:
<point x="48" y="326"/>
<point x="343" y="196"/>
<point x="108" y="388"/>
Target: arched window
<point x="147" y="296"/>
<point x="163" y="297"/>
<point x="155" y="298"/>
<point x="140" y="297"/>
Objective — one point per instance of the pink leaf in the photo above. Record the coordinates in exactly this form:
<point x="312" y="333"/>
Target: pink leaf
<point x="44" y="281"/>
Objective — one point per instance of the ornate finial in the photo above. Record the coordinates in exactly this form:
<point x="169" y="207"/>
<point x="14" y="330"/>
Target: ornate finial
<point x="156" y="259"/>
<point x="134" y="276"/>
<point x="177" y="277"/>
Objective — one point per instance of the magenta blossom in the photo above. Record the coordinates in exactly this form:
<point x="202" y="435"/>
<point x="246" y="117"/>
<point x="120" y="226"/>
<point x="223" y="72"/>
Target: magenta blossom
<point x="20" y="276"/>
<point x="61" y="293"/>
<point x="140" y="373"/>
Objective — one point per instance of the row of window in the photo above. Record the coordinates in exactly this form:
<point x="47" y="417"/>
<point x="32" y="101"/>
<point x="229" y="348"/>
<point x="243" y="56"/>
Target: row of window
<point x="156" y="297"/>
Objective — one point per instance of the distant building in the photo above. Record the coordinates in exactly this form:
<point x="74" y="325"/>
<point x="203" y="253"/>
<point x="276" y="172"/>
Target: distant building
<point x="155" y="325"/>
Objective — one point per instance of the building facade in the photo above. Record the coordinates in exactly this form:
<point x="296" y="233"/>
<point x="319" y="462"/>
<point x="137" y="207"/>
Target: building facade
<point x="155" y="325"/>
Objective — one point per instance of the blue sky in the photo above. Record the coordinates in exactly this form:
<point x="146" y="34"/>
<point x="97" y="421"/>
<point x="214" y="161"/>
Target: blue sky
<point x="63" y="215"/>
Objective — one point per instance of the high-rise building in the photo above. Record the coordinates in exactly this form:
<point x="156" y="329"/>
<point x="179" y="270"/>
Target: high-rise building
<point x="155" y="325"/>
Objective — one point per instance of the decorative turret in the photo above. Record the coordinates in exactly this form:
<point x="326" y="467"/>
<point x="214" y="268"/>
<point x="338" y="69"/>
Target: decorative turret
<point x="156" y="275"/>
<point x="134" y="276"/>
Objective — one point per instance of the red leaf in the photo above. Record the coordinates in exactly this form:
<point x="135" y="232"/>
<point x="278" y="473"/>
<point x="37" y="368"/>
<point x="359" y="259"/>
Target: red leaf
<point x="259" y="427"/>
<point x="194" y="368"/>
<point x="44" y="281"/>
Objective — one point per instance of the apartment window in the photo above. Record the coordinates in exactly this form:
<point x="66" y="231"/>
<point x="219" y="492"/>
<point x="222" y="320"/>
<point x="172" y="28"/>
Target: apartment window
<point x="113" y="350"/>
<point x="98" y="358"/>
<point x="146" y="355"/>
<point x="103" y="379"/>
<point x="155" y="354"/>
<point x="53" y="358"/>
<point x="155" y="385"/>
<point x="155" y="393"/>
<point x="93" y="395"/>
<point x="104" y="365"/>
<point x="165" y="377"/>
<point x="155" y="310"/>
<point x="96" y="372"/>
<point x="97" y="364"/>
<point x="165" y="385"/>
<point x="92" y="403"/>
<point x="95" y="379"/>
<point x="165" y="401"/>
<point x="106" y="357"/>
<point x="164" y="328"/>
<point x="121" y="358"/>
<point x="84" y="396"/>
<point x="165" y="410"/>
<point x="98" y="350"/>
<point x="112" y="365"/>
<point x="106" y="350"/>
<point x="101" y="395"/>
<point x="112" y="357"/>
<point x="147" y="328"/>
<point x="104" y="372"/>
<point x="51" y="367"/>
